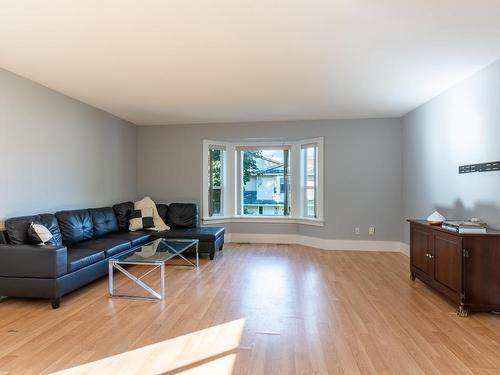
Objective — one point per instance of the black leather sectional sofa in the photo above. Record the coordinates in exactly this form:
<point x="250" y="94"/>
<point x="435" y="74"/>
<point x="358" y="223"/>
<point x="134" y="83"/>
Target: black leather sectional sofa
<point x="84" y="240"/>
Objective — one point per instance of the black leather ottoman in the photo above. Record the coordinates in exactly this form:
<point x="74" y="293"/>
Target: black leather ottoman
<point x="210" y="239"/>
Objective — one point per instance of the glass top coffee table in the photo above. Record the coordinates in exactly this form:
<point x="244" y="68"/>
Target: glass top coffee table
<point x="154" y="254"/>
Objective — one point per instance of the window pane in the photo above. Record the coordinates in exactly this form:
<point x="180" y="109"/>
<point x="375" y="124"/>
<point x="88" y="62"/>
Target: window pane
<point x="215" y="182"/>
<point x="266" y="182"/>
<point x="310" y="202"/>
<point x="309" y="156"/>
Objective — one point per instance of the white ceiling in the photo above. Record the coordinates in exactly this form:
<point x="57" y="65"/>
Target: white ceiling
<point x="199" y="61"/>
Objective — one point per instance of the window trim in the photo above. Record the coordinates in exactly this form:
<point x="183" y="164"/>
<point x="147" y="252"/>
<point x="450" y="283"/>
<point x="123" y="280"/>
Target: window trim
<point x="239" y="149"/>
<point x="303" y="179"/>
<point x="231" y="185"/>
<point x="211" y="188"/>
<point x="224" y="186"/>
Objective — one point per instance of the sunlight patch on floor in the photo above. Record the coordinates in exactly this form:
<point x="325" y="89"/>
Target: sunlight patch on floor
<point x="223" y="365"/>
<point x="208" y="351"/>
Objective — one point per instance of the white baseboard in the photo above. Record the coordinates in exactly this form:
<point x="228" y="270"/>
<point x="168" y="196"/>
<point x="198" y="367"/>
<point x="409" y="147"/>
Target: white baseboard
<point x="320" y="243"/>
<point x="405" y="249"/>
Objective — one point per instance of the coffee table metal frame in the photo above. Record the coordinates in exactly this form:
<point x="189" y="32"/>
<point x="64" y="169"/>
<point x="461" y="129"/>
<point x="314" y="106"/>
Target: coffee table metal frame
<point x="117" y="264"/>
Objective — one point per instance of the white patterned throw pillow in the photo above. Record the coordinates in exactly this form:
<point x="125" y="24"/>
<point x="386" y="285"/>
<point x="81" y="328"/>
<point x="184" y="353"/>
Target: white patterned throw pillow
<point x="147" y="202"/>
<point x="141" y="219"/>
<point x="39" y="234"/>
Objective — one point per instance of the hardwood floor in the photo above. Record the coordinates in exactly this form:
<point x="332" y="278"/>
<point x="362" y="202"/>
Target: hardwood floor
<point x="256" y="309"/>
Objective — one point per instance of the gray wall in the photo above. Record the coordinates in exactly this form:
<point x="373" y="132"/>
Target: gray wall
<point x="57" y="152"/>
<point x="461" y="126"/>
<point x="362" y="171"/>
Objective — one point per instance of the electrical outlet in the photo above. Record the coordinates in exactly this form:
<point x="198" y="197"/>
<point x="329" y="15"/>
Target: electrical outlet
<point x="357" y="231"/>
<point x="371" y="231"/>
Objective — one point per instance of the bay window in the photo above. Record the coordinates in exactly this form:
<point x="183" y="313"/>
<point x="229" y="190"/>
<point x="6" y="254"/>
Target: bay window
<point x="263" y="181"/>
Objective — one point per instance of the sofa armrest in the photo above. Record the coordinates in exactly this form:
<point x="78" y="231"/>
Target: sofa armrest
<point x="33" y="261"/>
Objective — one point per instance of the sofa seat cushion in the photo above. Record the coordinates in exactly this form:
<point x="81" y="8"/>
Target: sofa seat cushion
<point x="109" y="246"/>
<point x="79" y="258"/>
<point x="137" y="238"/>
<point x="203" y="234"/>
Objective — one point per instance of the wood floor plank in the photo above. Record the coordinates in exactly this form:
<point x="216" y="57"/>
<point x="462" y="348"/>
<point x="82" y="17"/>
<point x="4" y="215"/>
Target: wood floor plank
<point x="256" y="309"/>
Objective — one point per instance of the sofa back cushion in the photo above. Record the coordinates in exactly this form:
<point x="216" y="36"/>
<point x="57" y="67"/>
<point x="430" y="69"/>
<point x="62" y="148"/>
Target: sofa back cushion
<point x="104" y="221"/>
<point x="17" y="228"/>
<point x="4" y="237"/>
<point x="182" y="215"/>
<point x="162" y="211"/>
<point x="122" y="212"/>
<point x="76" y="226"/>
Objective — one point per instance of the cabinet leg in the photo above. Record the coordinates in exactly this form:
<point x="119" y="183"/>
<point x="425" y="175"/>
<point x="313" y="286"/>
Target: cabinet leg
<point x="412" y="276"/>
<point x="462" y="311"/>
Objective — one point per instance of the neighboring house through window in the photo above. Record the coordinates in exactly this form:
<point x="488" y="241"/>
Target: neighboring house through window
<point x="262" y="180"/>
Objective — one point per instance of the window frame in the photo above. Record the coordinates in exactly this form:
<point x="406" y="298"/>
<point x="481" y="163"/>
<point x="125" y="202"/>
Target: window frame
<point x="232" y="188"/>
<point x="206" y="176"/>
<point x="304" y="179"/>
<point x="239" y="183"/>
<point x="220" y="187"/>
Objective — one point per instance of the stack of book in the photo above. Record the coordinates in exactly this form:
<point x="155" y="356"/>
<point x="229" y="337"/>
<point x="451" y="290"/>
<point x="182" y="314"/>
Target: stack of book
<point x="464" y="227"/>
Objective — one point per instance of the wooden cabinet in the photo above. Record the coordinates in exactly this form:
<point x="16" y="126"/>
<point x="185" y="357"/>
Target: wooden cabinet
<point x="463" y="267"/>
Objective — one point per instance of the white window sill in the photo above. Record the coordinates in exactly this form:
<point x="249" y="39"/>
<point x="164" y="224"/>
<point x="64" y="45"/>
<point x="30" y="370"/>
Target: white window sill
<point x="264" y="219"/>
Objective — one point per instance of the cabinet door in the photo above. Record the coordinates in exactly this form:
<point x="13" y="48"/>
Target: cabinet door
<point x="447" y="259"/>
<point x="481" y="273"/>
<point x="421" y="244"/>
